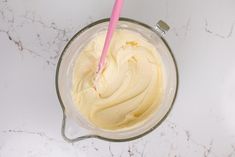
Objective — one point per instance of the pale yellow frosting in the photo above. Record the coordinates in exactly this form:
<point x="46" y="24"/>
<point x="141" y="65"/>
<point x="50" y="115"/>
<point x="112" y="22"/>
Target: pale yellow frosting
<point x="130" y="87"/>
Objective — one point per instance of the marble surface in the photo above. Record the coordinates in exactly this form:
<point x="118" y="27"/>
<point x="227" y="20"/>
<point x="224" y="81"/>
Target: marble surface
<point x="202" y="37"/>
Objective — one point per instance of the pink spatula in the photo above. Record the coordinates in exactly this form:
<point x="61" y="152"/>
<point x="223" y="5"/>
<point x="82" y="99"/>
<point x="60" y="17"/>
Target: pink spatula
<point x="111" y="28"/>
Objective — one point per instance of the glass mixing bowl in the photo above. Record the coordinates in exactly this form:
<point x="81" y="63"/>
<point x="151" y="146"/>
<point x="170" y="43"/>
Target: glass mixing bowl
<point x="74" y="124"/>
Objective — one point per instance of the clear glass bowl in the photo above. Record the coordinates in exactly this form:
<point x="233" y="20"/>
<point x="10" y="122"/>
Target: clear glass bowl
<point x="64" y="81"/>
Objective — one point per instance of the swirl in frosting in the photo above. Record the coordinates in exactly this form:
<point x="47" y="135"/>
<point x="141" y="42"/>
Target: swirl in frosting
<point x="129" y="88"/>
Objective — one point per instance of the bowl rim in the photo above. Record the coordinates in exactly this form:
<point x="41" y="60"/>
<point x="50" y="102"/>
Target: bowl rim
<point x="61" y="101"/>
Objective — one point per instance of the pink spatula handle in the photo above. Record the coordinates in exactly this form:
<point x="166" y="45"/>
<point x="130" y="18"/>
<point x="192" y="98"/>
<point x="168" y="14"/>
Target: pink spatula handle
<point x="111" y="28"/>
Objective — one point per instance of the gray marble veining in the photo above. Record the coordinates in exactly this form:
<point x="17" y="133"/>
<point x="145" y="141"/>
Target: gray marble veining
<point x="33" y="35"/>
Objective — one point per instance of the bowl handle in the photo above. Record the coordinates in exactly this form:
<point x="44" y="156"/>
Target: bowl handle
<point x="162" y="27"/>
<point x="72" y="140"/>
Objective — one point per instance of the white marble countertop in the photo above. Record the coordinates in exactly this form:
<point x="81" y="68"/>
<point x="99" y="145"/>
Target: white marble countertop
<point x="202" y="37"/>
